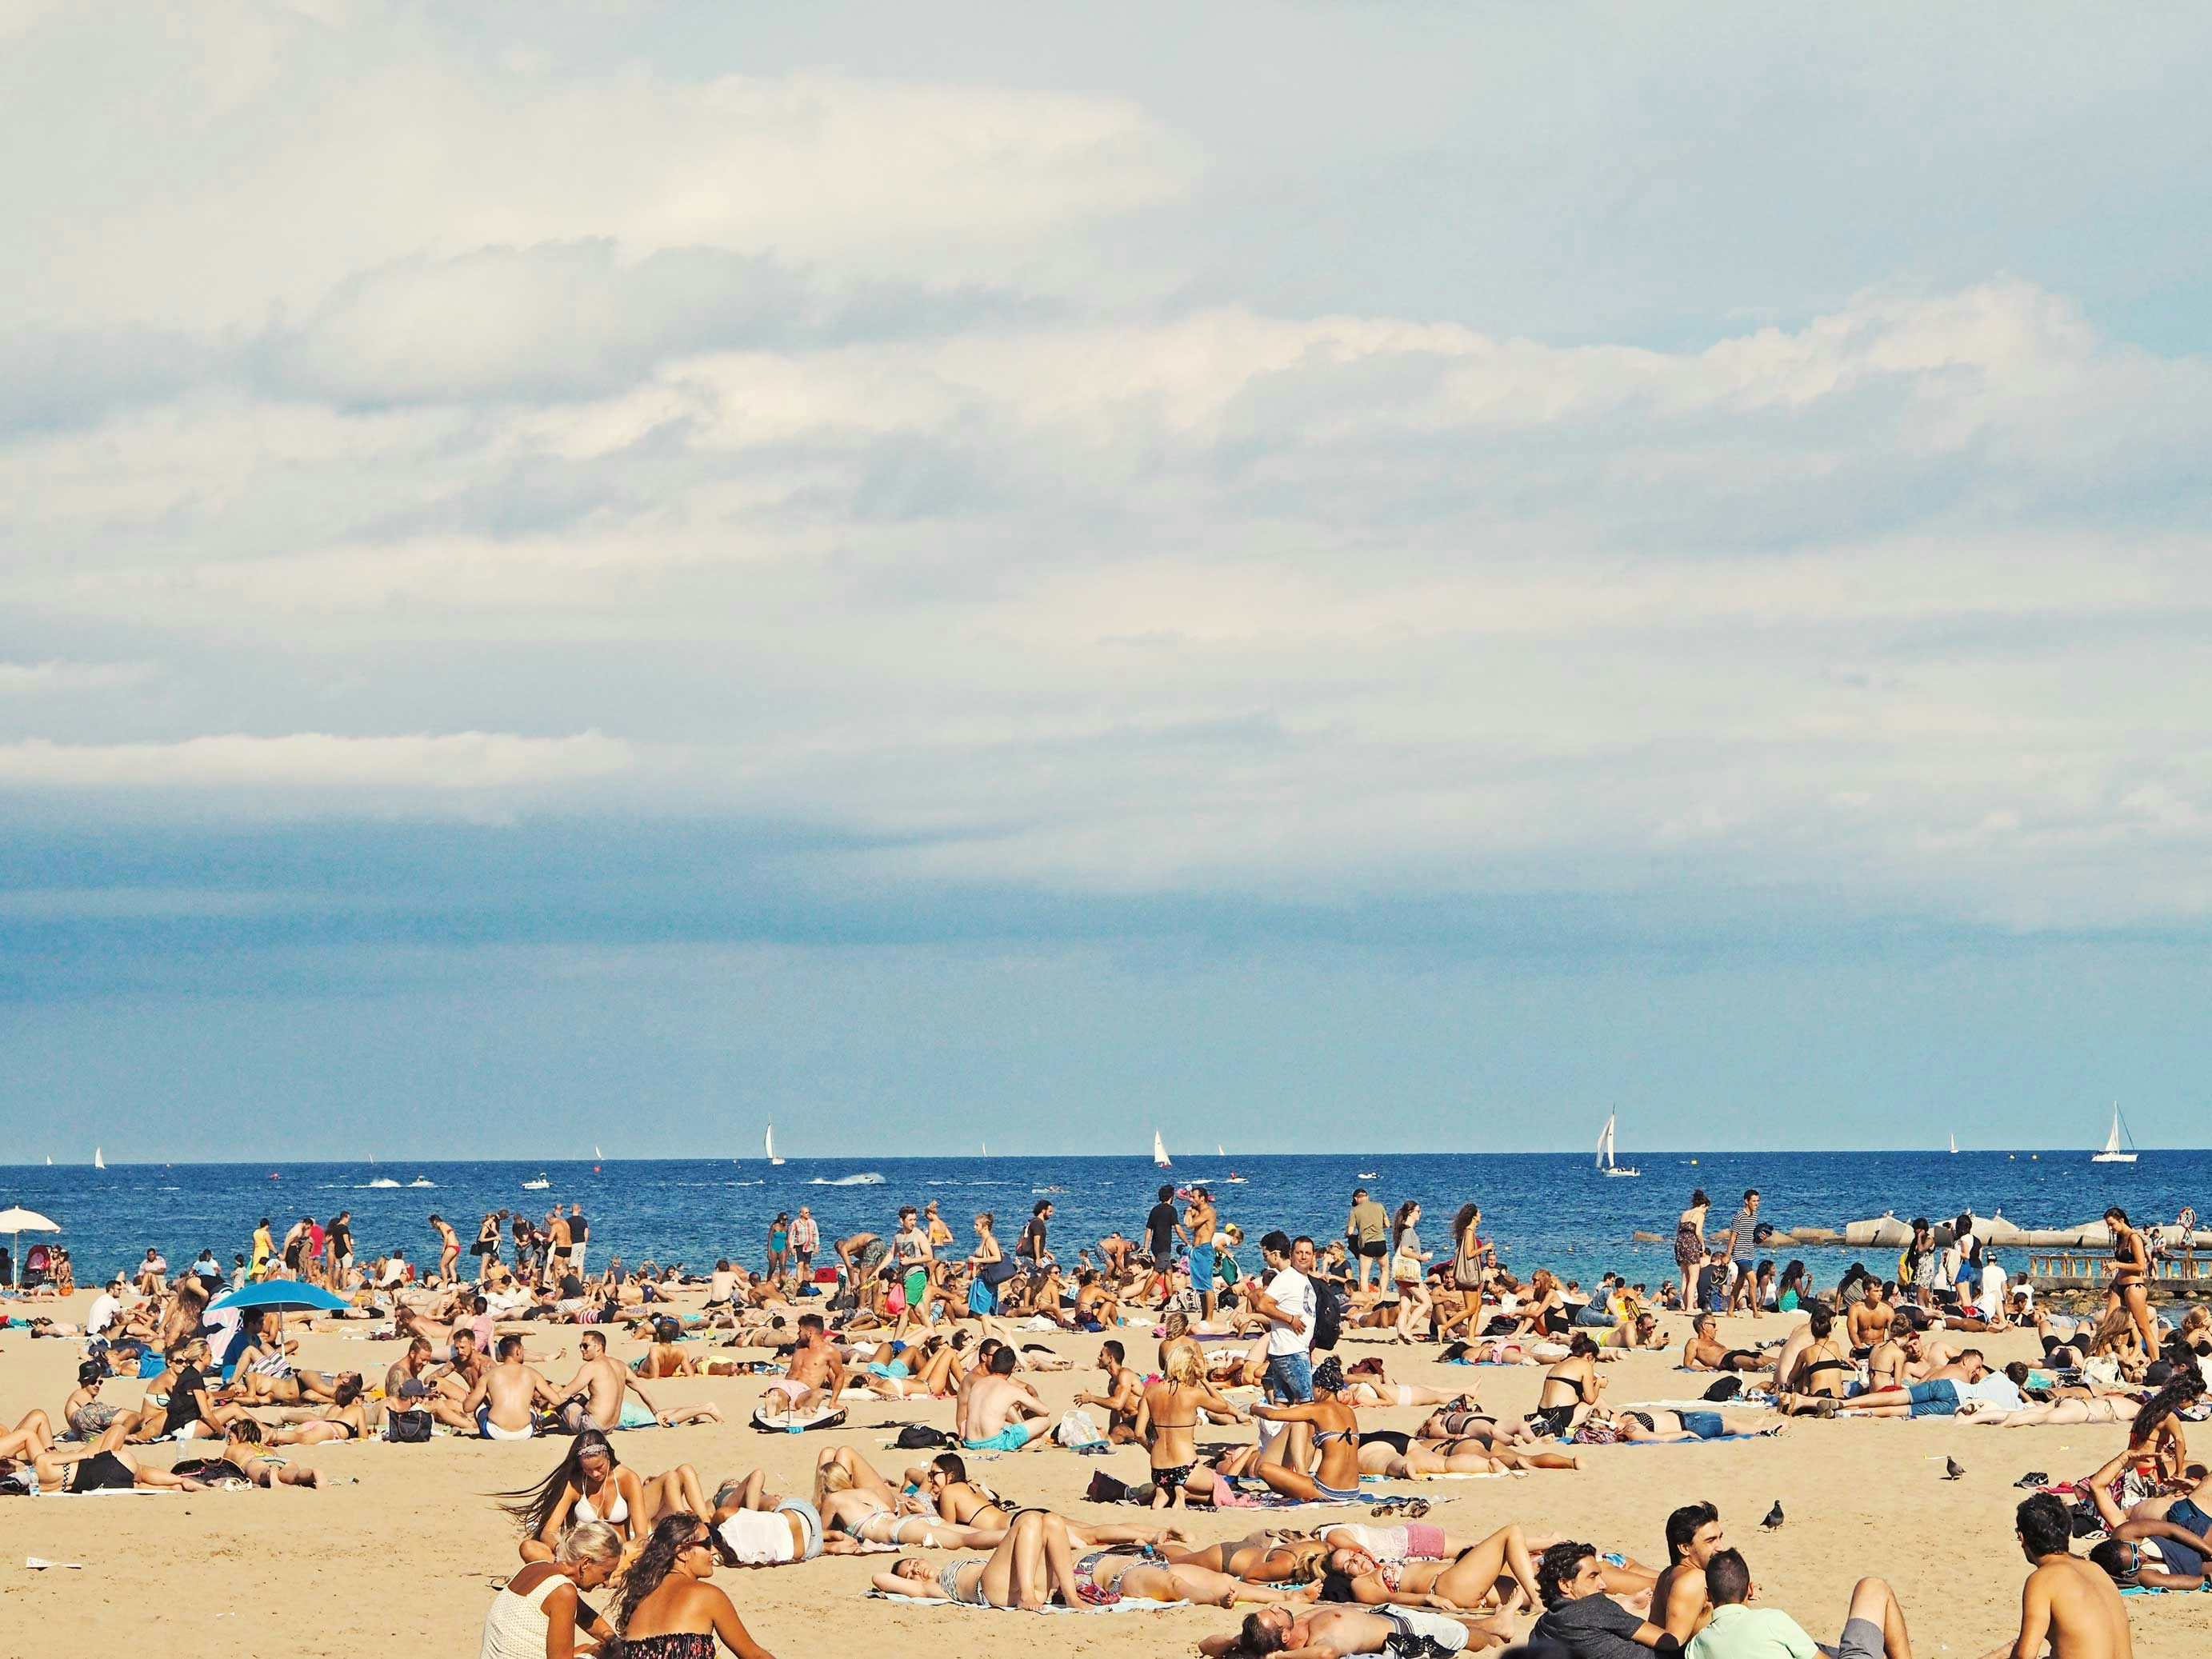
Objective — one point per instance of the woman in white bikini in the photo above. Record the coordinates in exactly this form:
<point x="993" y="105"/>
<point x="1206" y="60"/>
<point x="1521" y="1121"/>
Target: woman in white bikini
<point x="591" y="1484"/>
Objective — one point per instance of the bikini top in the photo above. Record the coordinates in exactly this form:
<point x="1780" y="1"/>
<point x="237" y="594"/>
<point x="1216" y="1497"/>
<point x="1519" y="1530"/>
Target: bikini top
<point x="586" y="1510"/>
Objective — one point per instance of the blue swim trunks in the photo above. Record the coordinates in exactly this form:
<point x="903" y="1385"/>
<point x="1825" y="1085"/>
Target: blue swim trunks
<point x="1012" y="1438"/>
<point x="1201" y="1268"/>
<point x="1937" y="1399"/>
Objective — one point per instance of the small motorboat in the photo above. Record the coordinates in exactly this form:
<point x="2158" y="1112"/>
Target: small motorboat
<point x="536" y="1186"/>
<point x="422" y="1181"/>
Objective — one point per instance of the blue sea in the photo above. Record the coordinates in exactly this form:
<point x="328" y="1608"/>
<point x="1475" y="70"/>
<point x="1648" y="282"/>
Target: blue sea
<point x="1547" y="1210"/>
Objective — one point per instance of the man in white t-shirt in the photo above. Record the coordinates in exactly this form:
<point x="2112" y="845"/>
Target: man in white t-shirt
<point x="1288" y="1305"/>
<point x="106" y="1311"/>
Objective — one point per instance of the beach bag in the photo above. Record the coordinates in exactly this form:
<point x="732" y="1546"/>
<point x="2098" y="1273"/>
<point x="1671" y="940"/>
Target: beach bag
<point x="1328" y="1316"/>
<point x="1728" y="1387"/>
<point x="408" y="1428"/>
<point x="920" y="1436"/>
<point x="995" y="1273"/>
<point x="1078" y="1428"/>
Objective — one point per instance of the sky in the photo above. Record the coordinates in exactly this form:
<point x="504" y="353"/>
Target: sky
<point x="1316" y="576"/>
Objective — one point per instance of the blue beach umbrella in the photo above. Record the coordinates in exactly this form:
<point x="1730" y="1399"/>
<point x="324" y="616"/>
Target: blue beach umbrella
<point x="280" y="1297"/>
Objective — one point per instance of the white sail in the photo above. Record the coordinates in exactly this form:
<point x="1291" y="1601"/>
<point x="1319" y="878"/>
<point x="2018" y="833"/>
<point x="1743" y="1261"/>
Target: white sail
<point x="596" y="1152"/>
<point x="1605" y="1145"/>
<point x="772" y="1158"/>
<point x="1217" y="1153"/>
<point x="2111" y="1153"/>
<point x="1160" y="1151"/>
<point x="1954" y="1143"/>
<point x="98" y="1162"/>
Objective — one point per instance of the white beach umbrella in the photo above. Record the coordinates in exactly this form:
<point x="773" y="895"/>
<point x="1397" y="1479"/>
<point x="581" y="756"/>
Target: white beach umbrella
<point x="18" y="1220"/>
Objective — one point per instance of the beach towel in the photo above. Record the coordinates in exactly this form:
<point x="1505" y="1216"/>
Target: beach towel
<point x="1127" y="1604"/>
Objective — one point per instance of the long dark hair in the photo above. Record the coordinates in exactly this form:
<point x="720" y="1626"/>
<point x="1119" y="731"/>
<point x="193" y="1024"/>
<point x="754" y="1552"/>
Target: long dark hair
<point x="2185" y="1387"/>
<point x="673" y="1534"/>
<point x="1464" y="1219"/>
<point x="534" y="1505"/>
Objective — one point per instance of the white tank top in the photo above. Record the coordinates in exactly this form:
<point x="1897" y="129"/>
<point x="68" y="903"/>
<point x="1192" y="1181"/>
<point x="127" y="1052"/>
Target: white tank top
<point x="515" y="1625"/>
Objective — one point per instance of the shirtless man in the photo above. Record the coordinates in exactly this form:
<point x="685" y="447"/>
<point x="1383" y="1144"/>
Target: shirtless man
<point x="449" y="1248"/>
<point x="1679" y="1605"/>
<point x="1124" y="1391"/>
<point x="1705" y="1351"/>
<point x="1334" y="1632"/>
<point x="1198" y="1220"/>
<point x="598" y="1396"/>
<point x="503" y="1405"/>
<point x="1870" y="1317"/>
<point x="1095" y="1306"/>
<point x="816" y="1364"/>
<point x="2067" y="1602"/>
<point x="996" y="1411"/>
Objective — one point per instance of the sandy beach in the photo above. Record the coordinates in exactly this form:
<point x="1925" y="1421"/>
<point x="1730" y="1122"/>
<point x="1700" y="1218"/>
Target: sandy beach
<point x="402" y="1553"/>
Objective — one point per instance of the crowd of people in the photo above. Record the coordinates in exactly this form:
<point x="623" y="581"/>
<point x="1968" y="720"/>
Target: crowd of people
<point x="1227" y="1361"/>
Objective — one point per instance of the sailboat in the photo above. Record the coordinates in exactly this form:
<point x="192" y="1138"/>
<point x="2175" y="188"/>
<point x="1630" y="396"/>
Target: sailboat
<point x="1604" y="1164"/>
<point x="2112" y="1154"/>
<point x="1954" y="1145"/>
<point x="773" y="1159"/>
<point x="1217" y="1153"/>
<point x="98" y="1162"/>
<point x="596" y="1152"/>
<point x="1160" y="1151"/>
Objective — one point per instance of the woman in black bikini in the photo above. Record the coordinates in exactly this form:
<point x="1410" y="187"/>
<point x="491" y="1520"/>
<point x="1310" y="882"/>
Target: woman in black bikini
<point x="1571" y="1389"/>
<point x="1167" y="1422"/>
<point x="2132" y="1276"/>
<point x="1265" y="1557"/>
<point x="1823" y="1369"/>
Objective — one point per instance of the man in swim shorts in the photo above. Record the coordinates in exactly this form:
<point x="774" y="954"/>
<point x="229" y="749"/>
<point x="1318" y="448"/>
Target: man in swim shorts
<point x="999" y="1410"/>
<point x="1198" y="1223"/>
<point x="504" y="1404"/>
<point x="1342" y="1631"/>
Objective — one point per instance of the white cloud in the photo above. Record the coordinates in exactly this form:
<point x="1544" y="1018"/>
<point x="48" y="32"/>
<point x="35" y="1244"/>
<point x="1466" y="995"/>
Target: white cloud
<point x="316" y="764"/>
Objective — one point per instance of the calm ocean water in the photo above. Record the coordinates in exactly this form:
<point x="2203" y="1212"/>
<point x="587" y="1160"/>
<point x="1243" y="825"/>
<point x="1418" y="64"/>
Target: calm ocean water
<point x="1543" y="1209"/>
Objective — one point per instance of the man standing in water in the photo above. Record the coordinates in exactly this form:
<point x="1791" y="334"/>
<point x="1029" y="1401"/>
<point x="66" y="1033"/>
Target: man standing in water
<point x="2067" y="1602"/>
<point x="1198" y="1222"/>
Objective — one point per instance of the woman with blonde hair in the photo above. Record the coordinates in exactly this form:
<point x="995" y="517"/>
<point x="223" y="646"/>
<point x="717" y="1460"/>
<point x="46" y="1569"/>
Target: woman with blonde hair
<point x="1167" y="1421"/>
<point x="539" y="1614"/>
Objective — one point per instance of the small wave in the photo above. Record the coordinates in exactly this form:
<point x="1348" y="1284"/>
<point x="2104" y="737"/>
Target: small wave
<point x="871" y="1179"/>
<point x="746" y="1183"/>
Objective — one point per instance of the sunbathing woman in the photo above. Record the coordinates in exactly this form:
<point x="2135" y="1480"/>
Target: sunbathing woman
<point x="1379" y="1391"/>
<point x="1400" y="1456"/>
<point x="591" y="1484"/>
<point x="1111" y="1574"/>
<point x="241" y="1461"/>
<point x="84" y="1411"/>
<point x="1823" y="1369"/>
<point x="1335" y="1436"/>
<point x="1653" y="1424"/>
<point x="1469" y="1582"/>
<point x="1264" y="1558"/>
<point x="103" y="1466"/>
<point x="345" y="1419"/>
<point x="1167" y="1421"/>
<point x="945" y="1486"/>
<point x="1034" y="1564"/>
<point x="1569" y="1395"/>
<point x="2157" y="1444"/>
<point x="668" y="1609"/>
<point x="33" y="1437"/>
<point x="852" y="1497"/>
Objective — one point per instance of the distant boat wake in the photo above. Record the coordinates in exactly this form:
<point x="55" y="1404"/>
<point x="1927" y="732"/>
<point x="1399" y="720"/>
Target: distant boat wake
<point x="871" y="1179"/>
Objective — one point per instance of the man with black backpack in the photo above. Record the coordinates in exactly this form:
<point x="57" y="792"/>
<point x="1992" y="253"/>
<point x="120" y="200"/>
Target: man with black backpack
<point x="1290" y="1305"/>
